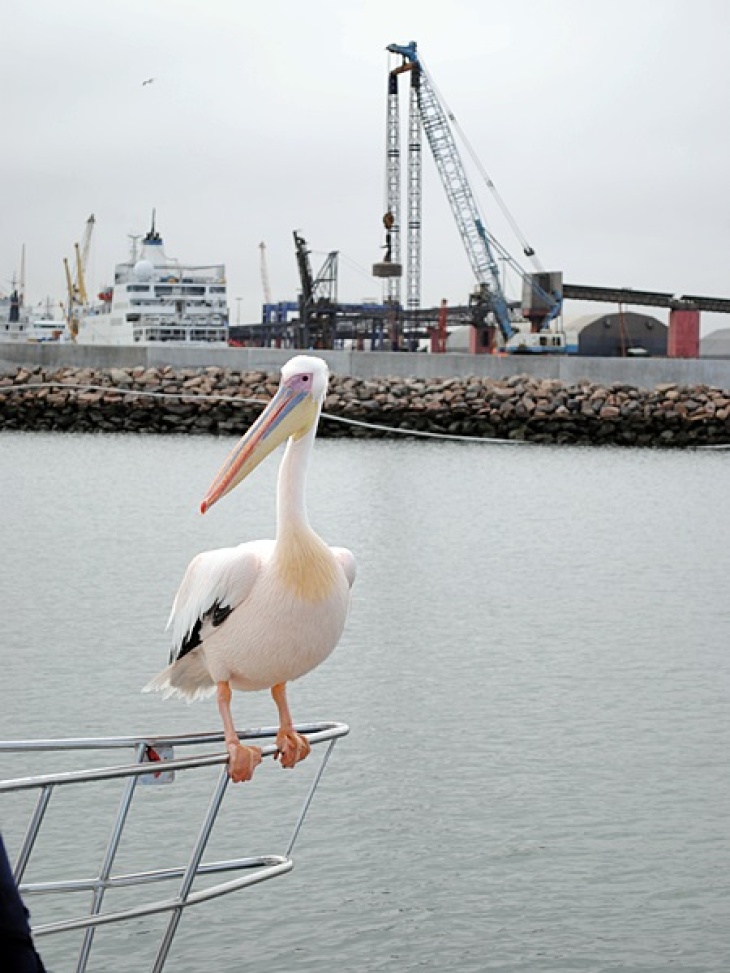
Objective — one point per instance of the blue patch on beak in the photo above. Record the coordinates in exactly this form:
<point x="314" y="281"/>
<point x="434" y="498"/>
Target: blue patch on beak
<point x="296" y="399"/>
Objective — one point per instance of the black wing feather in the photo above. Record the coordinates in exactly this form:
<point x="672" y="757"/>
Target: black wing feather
<point x="215" y="615"/>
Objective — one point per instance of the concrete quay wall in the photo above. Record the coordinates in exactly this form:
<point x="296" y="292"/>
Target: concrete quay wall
<point x="641" y="373"/>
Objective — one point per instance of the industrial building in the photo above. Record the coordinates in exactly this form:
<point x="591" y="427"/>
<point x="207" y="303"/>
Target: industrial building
<point x="619" y="334"/>
<point x="716" y="344"/>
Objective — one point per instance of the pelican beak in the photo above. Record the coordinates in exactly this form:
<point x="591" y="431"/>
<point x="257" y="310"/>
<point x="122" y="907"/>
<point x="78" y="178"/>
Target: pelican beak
<point x="291" y="413"/>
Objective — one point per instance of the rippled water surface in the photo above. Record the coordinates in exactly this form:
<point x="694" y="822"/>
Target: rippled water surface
<point x="535" y="674"/>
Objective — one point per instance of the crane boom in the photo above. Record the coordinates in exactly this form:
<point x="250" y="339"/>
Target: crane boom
<point x="265" y="274"/>
<point x="76" y="284"/>
<point x="71" y="316"/>
<point x="86" y="242"/>
<point x="476" y="239"/>
<point x="81" y="295"/>
<point x="318" y="299"/>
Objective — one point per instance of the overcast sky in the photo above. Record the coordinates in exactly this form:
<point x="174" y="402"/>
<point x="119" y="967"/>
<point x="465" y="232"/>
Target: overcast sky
<point x="604" y="126"/>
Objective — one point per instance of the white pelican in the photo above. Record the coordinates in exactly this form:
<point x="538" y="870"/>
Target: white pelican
<point x="258" y="615"/>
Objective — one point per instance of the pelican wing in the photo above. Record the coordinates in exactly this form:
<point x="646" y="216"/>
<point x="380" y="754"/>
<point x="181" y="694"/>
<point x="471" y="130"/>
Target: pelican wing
<point x="214" y="584"/>
<point x="346" y="560"/>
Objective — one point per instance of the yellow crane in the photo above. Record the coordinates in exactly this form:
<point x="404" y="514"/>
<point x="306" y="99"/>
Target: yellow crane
<point x="76" y="284"/>
<point x="82" y="257"/>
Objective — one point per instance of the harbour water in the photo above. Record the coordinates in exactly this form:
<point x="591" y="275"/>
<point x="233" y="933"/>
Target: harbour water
<point x="535" y="673"/>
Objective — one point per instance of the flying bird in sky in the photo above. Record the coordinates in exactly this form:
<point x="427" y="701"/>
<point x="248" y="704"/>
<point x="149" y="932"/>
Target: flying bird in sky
<point x="148" y="81"/>
<point x="266" y="612"/>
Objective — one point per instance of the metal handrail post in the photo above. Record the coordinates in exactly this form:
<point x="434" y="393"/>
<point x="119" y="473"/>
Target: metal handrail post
<point x="34" y="826"/>
<point x="192" y="870"/>
<point x="106" y="867"/>
<point x="263" y="867"/>
<point x="308" y="799"/>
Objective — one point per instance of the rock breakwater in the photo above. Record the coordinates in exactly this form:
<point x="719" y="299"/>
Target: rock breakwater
<point x="224" y="401"/>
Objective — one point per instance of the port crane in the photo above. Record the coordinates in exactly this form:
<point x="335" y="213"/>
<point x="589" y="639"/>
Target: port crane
<point x="77" y="296"/>
<point x="264" y="273"/>
<point x="541" y="297"/>
<point x="318" y="297"/>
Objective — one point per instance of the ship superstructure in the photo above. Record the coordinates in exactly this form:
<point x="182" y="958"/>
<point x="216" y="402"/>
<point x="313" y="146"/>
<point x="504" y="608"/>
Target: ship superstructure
<point x="157" y="299"/>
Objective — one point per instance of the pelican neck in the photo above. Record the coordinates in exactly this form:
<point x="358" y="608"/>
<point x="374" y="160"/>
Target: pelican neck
<point x="291" y="488"/>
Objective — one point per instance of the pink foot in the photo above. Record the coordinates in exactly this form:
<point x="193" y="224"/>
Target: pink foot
<point x="242" y="761"/>
<point x="293" y="747"/>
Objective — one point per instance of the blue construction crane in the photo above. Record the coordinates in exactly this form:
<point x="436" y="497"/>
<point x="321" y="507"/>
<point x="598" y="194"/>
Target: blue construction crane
<point x="482" y="248"/>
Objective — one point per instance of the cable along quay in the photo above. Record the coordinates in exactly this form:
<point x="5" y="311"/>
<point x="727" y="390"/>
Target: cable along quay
<point x="222" y="401"/>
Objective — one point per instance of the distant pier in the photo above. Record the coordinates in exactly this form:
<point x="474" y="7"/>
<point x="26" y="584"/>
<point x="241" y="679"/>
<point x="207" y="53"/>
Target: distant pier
<point x="643" y="373"/>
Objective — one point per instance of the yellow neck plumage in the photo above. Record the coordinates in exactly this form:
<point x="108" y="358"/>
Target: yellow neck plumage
<point x="305" y="564"/>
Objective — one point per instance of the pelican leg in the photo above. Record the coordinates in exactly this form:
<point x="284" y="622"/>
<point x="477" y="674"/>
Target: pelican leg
<point x="242" y="761"/>
<point x="293" y="747"/>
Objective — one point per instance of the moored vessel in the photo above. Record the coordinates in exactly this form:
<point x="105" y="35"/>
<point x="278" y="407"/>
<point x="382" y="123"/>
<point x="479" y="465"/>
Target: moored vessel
<point x="154" y="299"/>
<point x="20" y="323"/>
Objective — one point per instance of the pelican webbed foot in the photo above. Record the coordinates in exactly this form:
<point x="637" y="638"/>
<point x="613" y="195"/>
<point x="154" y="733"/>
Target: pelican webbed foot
<point x="293" y="747"/>
<point x="242" y="761"/>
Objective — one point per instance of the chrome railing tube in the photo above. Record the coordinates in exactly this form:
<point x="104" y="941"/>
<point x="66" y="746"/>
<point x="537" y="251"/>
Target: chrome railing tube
<point x="192" y="869"/>
<point x="34" y="826"/>
<point x="106" y="867"/>
<point x="257" y="868"/>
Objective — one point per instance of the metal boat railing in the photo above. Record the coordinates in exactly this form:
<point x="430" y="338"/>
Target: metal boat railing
<point x="153" y="761"/>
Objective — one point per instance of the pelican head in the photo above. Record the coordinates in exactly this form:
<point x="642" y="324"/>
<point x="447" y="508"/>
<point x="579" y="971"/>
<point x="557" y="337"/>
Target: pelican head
<point x="291" y="414"/>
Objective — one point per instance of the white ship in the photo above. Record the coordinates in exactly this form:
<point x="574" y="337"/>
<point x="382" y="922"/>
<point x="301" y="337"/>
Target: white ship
<point x="19" y="323"/>
<point x="157" y="299"/>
